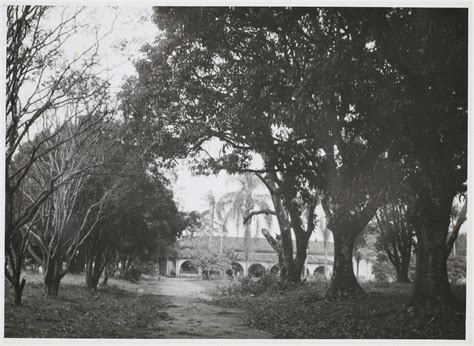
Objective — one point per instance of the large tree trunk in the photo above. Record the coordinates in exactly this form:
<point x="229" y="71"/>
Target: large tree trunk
<point x="343" y="281"/>
<point x="431" y="286"/>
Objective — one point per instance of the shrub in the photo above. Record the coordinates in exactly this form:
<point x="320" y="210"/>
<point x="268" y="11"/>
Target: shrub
<point x="267" y="283"/>
<point x="133" y="275"/>
<point x="383" y="271"/>
<point x="456" y="268"/>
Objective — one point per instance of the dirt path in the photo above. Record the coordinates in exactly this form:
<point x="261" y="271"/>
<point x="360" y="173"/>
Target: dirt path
<point x="191" y="315"/>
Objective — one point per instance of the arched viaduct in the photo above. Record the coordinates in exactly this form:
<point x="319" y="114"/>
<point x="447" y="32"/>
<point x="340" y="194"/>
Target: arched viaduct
<point x="258" y="258"/>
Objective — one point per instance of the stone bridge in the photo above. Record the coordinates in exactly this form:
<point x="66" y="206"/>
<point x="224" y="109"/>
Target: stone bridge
<point x="255" y="256"/>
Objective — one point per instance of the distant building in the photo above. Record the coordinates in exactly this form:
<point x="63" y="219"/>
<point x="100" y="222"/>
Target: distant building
<point x="261" y="257"/>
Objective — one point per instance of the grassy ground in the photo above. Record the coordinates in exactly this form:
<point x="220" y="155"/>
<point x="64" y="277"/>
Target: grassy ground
<point x="118" y="311"/>
<point x="304" y="313"/>
<point x="126" y="310"/>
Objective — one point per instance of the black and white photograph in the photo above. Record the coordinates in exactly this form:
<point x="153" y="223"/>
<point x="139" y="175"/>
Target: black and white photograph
<point x="224" y="171"/>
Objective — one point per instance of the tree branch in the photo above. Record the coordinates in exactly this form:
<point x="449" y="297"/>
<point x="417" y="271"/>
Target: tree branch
<point x="454" y="233"/>
<point x="258" y="212"/>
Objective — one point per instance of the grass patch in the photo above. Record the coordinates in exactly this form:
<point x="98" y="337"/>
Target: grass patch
<point x="303" y="312"/>
<point x="116" y="311"/>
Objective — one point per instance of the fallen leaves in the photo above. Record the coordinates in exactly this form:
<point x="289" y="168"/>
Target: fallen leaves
<point x="302" y="312"/>
<point x="76" y="313"/>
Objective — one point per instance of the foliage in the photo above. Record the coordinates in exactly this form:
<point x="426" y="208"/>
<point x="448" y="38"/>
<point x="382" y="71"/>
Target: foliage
<point x="256" y="89"/>
<point x="265" y="284"/>
<point x="383" y="270"/>
<point x="364" y="246"/>
<point x="207" y="256"/>
<point x="457" y="269"/>
<point x="395" y="236"/>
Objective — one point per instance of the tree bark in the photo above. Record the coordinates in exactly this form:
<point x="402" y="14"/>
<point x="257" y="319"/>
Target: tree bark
<point x="343" y="281"/>
<point x="286" y="269"/>
<point x="431" y="287"/>
<point x="52" y="277"/>
<point x="93" y="273"/>
<point x="105" y="280"/>
<point x="302" y="239"/>
<point x="19" y="291"/>
<point x="402" y="276"/>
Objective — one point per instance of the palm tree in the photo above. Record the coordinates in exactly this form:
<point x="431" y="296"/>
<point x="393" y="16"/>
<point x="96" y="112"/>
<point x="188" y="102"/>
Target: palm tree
<point x="213" y="214"/>
<point x="210" y="213"/>
<point x="233" y="206"/>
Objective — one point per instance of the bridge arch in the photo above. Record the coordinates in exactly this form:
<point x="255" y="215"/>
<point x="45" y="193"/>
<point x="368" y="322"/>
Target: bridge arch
<point x="187" y="267"/>
<point x="237" y="269"/>
<point x="256" y="270"/>
<point x="321" y="270"/>
<point x="274" y="269"/>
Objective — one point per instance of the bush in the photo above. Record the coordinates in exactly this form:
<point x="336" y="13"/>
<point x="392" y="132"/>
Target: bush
<point x="383" y="271"/>
<point x="133" y="275"/>
<point x="456" y="269"/>
<point x="267" y="283"/>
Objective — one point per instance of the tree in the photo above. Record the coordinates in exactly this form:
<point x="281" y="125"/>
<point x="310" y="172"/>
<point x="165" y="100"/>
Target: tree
<point x="318" y="94"/>
<point x="396" y="237"/>
<point x="40" y="82"/>
<point x="120" y="163"/>
<point x="456" y="227"/>
<point x="59" y="231"/>
<point x="235" y="205"/>
<point x="147" y="217"/>
<point x="428" y="49"/>
<point x="241" y="139"/>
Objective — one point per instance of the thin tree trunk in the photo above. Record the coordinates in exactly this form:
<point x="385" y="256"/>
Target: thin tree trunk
<point x="450" y="244"/>
<point x="94" y="270"/>
<point x="325" y="258"/>
<point x="19" y="286"/>
<point x="302" y="239"/>
<point x="286" y="240"/>
<point x="13" y="251"/>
